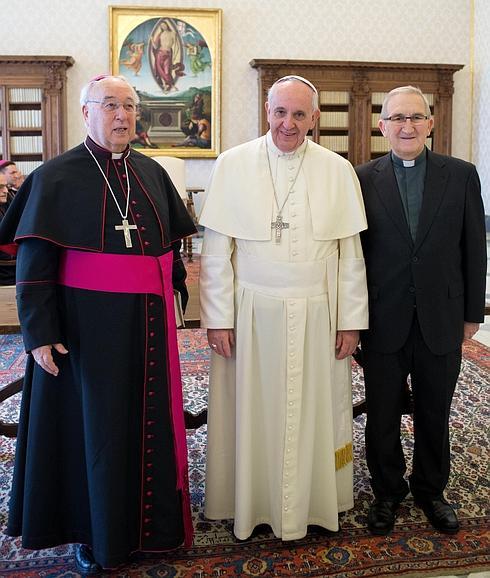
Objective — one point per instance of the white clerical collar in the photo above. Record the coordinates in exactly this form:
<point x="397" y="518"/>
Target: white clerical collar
<point x="418" y="160"/>
<point x="117" y="155"/>
<point x="279" y="153"/>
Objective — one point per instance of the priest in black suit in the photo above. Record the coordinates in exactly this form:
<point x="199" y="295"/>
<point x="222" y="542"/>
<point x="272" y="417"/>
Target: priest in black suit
<point x="425" y="252"/>
<point x="101" y="453"/>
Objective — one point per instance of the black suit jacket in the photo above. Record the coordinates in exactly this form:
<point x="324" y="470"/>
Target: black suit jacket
<point x="441" y="275"/>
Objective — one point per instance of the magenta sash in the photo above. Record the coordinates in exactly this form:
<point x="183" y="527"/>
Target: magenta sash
<point x="139" y="274"/>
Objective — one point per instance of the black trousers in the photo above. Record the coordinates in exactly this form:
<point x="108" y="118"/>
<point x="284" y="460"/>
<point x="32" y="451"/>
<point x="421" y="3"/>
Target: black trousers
<point x="433" y="380"/>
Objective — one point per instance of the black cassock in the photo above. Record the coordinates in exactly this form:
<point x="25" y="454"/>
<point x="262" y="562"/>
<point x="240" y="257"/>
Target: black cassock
<point x="95" y="460"/>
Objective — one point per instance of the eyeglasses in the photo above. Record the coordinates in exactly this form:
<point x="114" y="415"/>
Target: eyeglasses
<point x="110" y="106"/>
<point x="416" y="118"/>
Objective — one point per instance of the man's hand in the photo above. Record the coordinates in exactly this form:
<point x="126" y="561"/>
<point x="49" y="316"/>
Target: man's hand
<point x="43" y="357"/>
<point x="346" y="343"/>
<point x="221" y="341"/>
<point x="470" y="329"/>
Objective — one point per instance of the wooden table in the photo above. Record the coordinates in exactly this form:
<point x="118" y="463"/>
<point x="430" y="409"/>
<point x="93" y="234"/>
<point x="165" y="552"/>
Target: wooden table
<point x="9" y="320"/>
<point x="9" y="323"/>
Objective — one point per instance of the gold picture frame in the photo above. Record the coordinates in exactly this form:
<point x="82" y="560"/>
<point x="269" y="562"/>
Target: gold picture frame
<point x="172" y="57"/>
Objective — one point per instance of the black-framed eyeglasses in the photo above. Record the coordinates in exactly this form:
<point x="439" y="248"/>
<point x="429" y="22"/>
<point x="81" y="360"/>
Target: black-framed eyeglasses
<point x="416" y="118"/>
<point x="110" y="106"/>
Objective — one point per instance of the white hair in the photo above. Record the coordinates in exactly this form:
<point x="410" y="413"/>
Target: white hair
<point x="87" y="88"/>
<point x="404" y="90"/>
<point x="294" y="77"/>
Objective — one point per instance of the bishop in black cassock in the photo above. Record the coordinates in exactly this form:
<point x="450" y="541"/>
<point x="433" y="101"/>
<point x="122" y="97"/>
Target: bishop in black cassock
<point x="101" y="456"/>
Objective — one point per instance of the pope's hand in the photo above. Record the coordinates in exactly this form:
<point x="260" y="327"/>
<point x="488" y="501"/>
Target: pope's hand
<point x="221" y="341"/>
<point x="346" y="343"/>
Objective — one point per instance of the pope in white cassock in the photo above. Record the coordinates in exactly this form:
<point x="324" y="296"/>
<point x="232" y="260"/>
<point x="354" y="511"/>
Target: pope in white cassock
<point x="283" y="296"/>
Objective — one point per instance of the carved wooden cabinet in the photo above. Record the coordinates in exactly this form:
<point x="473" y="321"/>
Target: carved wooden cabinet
<point x="32" y="108"/>
<point x="351" y="94"/>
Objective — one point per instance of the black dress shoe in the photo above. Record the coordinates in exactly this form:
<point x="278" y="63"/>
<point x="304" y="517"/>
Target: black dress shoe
<point x="85" y="561"/>
<point x="440" y="514"/>
<point x="381" y="517"/>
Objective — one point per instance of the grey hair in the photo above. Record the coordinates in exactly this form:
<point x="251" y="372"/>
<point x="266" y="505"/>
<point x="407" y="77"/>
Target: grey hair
<point x="272" y="89"/>
<point x="87" y="88"/>
<point x="404" y="90"/>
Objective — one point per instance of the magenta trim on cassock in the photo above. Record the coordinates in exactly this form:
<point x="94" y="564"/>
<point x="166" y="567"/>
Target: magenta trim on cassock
<point x="139" y="274"/>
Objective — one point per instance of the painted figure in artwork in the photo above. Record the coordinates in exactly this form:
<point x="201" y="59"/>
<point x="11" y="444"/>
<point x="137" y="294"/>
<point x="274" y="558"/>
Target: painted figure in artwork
<point x="166" y="48"/>
<point x="135" y="56"/>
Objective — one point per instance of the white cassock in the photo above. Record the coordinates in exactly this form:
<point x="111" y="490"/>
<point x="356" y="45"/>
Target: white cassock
<point x="280" y="411"/>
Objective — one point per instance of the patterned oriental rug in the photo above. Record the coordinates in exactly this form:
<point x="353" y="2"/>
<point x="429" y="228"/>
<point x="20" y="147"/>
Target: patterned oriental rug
<point x="414" y="549"/>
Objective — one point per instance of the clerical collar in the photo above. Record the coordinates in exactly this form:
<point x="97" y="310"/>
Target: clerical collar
<point x="103" y="152"/>
<point x="408" y="164"/>
<point x="279" y="153"/>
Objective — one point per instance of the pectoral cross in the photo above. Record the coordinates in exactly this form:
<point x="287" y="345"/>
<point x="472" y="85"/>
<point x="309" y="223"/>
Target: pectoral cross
<point x="127" y="235"/>
<point x="279" y="225"/>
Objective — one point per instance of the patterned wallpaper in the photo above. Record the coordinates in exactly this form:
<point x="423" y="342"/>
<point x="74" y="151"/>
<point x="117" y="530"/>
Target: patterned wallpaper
<point x="378" y="30"/>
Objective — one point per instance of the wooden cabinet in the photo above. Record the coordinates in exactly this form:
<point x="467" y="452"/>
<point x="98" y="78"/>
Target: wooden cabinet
<point x="351" y="94"/>
<point x="32" y="108"/>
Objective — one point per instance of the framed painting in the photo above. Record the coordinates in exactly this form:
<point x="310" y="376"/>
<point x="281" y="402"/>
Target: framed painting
<point x="172" y="57"/>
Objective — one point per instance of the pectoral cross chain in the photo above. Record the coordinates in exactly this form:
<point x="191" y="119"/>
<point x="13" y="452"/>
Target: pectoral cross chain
<point x="127" y="235"/>
<point x="279" y="225"/>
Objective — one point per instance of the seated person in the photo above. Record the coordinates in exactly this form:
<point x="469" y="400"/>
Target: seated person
<point x="7" y="263"/>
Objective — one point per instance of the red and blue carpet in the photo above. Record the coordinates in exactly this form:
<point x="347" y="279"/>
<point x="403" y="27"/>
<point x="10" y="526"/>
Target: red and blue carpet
<point x="414" y="549"/>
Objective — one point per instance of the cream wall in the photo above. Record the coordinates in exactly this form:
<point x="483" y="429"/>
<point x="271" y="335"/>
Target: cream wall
<point x="481" y="110"/>
<point x="377" y="30"/>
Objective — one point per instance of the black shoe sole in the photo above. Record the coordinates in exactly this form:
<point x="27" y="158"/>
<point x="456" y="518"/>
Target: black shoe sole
<point x="83" y="572"/>
<point x="445" y="530"/>
<point x="380" y="531"/>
